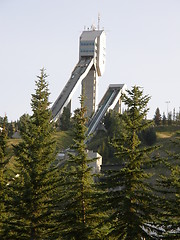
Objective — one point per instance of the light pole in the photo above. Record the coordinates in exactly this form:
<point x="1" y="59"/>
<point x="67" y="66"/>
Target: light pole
<point x="167" y="102"/>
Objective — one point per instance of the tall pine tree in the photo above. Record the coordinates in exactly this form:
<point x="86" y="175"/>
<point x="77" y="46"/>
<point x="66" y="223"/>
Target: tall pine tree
<point x="3" y="162"/>
<point x="31" y="194"/>
<point x="79" y="216"/>
<point x="129" y="199"/>
<point x="169" y="186"/>
<point x="157" y="117"/>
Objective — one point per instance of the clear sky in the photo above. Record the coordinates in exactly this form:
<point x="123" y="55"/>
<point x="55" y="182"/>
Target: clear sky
<point x="143" y="48"/>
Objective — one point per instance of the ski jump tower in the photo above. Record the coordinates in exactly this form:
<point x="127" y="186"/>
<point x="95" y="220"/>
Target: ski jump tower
<point x="91" y="65"/>
<point x="92" y="44"/>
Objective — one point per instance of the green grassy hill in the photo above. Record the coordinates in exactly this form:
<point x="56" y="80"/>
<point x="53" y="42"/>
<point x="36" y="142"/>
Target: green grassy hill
<point x="64" y="140"/>
<point x="165" y="136"/>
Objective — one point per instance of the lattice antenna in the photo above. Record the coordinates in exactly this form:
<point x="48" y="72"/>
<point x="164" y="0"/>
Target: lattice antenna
<point x="99" y="18"/>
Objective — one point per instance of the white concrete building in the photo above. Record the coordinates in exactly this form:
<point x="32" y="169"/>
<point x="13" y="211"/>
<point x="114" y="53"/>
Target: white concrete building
<point x="96" y="164"/>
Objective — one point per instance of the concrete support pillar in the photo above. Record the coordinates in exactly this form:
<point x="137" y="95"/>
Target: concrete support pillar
<point x="89" y="90"/>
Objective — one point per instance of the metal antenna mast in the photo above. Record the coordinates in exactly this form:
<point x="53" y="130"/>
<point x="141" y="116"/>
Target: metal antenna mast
<point x="99" y="21"/>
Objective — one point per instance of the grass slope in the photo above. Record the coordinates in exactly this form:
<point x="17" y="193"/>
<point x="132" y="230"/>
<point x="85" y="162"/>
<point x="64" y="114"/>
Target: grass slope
<point x="165" y="136"/>
<point x="64" y="140"/>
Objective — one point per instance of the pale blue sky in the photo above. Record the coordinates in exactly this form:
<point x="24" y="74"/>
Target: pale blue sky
<point x="143" y="48"/>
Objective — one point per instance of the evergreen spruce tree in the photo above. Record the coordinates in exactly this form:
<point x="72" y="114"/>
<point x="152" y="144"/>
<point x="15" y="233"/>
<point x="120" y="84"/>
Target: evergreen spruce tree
<point x="112" y="123"/>
<point x="129" y="199"/>
<point x="31" y="193"/>
<point x="169" y="186"/>
<point x="157" y="117"/>
<point x="164" y="119"/>
<point x="169" y="118"/>
<point x="65" y="119"/>
<point x="3" y="138"/>
<point x="78" y="215"/>
<point x="3" y="162"/>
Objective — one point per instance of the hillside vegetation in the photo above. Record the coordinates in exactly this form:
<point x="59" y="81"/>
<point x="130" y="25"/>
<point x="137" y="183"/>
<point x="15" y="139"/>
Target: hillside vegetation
<point x="165" y="136"/>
